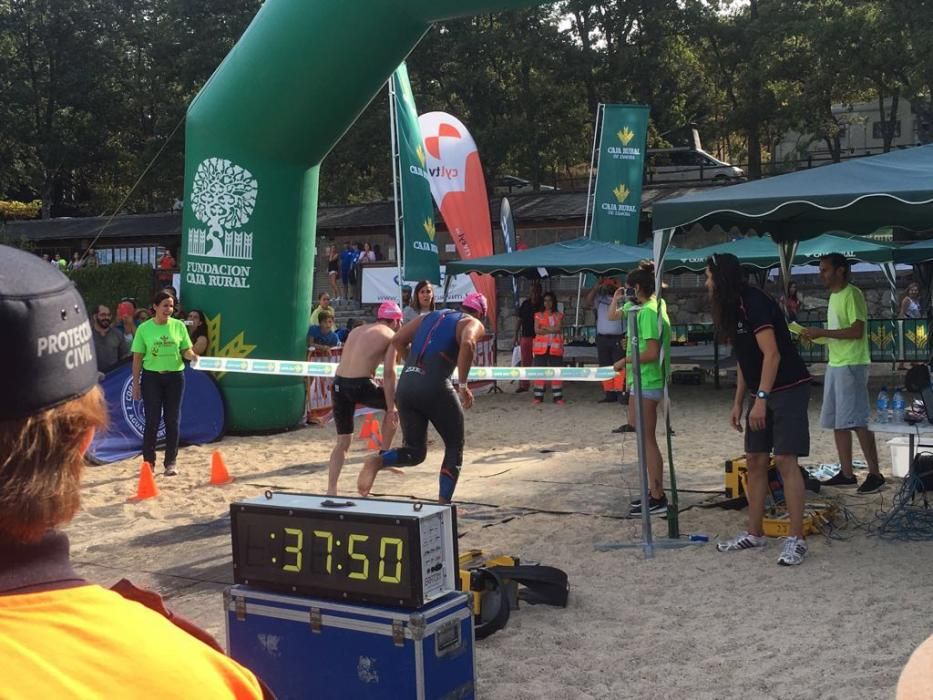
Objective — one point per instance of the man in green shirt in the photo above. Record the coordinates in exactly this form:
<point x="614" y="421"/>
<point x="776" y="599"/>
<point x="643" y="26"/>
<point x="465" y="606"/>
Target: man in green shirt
<point x="845" y="386"/>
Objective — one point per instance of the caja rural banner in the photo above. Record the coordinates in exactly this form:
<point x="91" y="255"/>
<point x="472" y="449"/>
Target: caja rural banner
<point x="459" y="188"/>
<point x="255" y="138"/>
<point x="418" y="230"/>
<point x="617" y="202"/>
<point x="381" y="284"/>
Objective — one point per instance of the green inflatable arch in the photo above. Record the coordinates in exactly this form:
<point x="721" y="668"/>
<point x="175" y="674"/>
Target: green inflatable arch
<point x="256" y="135"/>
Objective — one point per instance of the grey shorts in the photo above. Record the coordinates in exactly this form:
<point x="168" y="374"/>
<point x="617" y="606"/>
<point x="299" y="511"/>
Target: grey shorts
<point x="845" y="398"/>
<point x="787" y="428"/>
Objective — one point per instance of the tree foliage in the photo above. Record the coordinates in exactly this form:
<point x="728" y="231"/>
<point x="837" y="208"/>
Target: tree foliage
<point x="93" y="92"/>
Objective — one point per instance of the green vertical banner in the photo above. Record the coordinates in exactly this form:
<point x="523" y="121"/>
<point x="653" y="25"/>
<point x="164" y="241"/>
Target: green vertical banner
<point x="418" y="231"/>
<point x="617" y="202"/>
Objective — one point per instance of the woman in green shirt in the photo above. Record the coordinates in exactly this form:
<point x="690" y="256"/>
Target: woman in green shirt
<point x="653" y="337"/>
<point x="159" y="348"/>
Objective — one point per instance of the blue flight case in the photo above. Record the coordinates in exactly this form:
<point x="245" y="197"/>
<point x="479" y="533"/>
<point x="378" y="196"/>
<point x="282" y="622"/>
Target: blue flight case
<point x="312" y="648"/>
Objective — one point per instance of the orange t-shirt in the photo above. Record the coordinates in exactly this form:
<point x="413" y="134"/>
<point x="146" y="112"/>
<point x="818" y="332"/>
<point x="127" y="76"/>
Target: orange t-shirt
<point x="89" y="642"/>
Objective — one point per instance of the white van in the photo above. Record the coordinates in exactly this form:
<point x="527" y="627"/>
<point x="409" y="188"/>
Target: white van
<point x="688" y="165"/>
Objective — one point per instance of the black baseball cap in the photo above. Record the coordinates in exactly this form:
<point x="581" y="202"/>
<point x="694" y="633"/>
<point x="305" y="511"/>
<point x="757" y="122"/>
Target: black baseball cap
<point x="47" y="356"/>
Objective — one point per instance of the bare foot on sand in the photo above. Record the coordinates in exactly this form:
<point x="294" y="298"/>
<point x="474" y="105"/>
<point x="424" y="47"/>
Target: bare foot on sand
<point x="372" y="465"/>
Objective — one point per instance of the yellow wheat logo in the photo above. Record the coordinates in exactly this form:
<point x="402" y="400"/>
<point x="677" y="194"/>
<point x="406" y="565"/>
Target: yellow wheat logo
<point x="621" y="192"/>
<point x="237" y="347"/>
<point x="430" y="229"/>
<point x="918" y="337"/>
<point x="882" y="338"/>
<point x="420" y="153"/>
<point x="625" y="135"/>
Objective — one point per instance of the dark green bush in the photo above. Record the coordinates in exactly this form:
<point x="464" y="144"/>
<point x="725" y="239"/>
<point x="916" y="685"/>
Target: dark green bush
<point x="108" y="284"/>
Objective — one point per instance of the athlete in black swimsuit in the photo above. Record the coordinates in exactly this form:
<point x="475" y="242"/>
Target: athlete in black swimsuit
<point x="440" y="342"/>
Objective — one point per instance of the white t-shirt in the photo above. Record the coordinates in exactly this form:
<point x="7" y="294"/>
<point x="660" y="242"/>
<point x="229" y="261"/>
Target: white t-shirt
<point x="603" y="325"/>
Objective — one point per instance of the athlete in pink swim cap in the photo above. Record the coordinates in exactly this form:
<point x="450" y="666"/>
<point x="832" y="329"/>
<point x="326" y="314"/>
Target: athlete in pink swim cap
<point x="389" y="311"/>
<point x="474" y="301"/>
<point x="365" y="348"/>
<point x="437" y="344"/>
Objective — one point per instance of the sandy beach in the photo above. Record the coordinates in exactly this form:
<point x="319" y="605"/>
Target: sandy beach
<point x="549" y="484"/>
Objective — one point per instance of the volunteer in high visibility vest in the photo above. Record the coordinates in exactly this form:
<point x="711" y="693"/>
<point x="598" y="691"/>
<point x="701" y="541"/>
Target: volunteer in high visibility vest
<point x="653" y="338"/>
<point x="548" y="347"/>
<point x="61" y="636"/>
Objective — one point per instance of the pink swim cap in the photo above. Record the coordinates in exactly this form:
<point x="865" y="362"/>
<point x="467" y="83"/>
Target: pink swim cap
<point x="389" y="311"/>
<point x="475" y="301"/>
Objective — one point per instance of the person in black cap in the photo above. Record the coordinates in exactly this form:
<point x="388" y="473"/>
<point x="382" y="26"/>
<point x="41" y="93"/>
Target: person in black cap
<point x="61" y="636"/>
<point x="159" y="348"/>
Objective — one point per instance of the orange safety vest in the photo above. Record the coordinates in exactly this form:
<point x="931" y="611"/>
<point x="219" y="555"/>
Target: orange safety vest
<point x="549" y="343"/>
<point x="88" y="642"/>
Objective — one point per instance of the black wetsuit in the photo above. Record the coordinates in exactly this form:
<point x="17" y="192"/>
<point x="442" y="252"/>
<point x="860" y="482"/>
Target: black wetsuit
<point x="426" y="394"/>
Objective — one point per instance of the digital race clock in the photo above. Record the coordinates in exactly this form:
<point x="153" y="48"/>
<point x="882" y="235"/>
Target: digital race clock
<point x="399" y="553"/>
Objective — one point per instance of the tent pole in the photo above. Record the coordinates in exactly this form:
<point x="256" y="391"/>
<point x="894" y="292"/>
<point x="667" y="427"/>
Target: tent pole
<point x="589" y="192"/>
<point x="660" y="243"/>
<point x="647" y="542"/>
<point x="393" y="139"/>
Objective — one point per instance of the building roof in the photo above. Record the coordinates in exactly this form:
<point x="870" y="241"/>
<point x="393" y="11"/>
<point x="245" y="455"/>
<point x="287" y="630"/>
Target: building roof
<point x="527" y="208"/>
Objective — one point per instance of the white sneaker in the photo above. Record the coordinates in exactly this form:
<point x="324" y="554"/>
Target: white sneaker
<point x="742" y="541"/>
<point x="793" y="552"/>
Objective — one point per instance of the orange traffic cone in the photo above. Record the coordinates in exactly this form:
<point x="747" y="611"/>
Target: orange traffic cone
<point x="219" y="474"/>
<point x="375" y="439"/>
<point x="366" y="429"/>
<point x="147" y="487"/>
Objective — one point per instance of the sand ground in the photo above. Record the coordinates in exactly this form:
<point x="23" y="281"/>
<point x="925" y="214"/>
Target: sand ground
<point x="549" y="484"/>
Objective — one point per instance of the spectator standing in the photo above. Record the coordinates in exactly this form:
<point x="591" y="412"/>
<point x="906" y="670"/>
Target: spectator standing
<point x="845" y="386"/>
<point x="103" y="643"/>
<point x="910" y="304"/>
<point x="367" y="255"/>
<point x="347" y="261"/>
<point x="196" y="322"/>
<point x="322" y="335"/>
<point x="110" y="345"/>
<point x="159" y="349"/>
<point x="548" y="346"/>
<point x="654" y="338"/>
<point x="323" y="302"/>
<point x="608" y="333"/>
<point x="774" y="380"/>
<point x="525" y="330"/>
<point x="140" y="316"/>
<point x="422" y="301"/>
<point x="792" y="302"/>
<point x="76" y="262"/>
<point x="167" y="262"/>
<point x="333" y="269"/>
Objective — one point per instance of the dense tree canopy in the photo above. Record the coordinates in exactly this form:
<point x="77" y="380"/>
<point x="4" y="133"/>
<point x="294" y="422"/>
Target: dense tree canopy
<point x="93" y="92"/>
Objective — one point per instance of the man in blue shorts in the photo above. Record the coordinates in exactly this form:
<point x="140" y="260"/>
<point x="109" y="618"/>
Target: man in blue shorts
<point x="441" y="341"/>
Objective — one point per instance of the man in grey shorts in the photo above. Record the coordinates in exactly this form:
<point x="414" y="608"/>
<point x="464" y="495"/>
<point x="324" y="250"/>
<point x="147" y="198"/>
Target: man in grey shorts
<point x="845" y="386"/>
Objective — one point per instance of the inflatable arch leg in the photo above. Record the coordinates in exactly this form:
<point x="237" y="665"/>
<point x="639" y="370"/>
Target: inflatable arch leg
<point x="255" y="137"/>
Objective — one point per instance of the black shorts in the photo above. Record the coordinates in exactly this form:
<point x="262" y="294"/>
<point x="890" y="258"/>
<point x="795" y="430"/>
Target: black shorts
<point x="787" y="428"/>
<point x="347" y="393"/>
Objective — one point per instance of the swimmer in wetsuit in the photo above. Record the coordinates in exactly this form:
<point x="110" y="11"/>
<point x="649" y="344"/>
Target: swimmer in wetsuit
<point x="441" y="341"/>
<point x="365" y="348"/>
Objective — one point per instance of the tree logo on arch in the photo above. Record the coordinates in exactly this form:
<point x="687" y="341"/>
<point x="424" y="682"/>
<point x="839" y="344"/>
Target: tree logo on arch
<point x="223" y="197"/>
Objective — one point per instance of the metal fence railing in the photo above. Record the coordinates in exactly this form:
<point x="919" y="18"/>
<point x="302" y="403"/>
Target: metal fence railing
<point x="906" y="340"/>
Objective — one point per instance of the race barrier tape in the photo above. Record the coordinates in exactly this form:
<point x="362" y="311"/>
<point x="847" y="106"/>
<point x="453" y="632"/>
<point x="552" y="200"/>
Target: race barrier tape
<point x="328" y="369"/>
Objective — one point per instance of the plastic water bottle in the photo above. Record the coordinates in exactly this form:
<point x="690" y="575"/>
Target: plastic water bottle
<point x="882" y="405"/>
<point x="898" y="406"/>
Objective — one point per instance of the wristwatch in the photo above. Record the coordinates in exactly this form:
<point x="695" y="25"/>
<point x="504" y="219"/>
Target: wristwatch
<point x="762" y="394"/>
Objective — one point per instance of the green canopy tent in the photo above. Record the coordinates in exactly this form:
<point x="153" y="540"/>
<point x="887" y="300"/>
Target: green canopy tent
<point x="563" y="258"/>
<point x="858" y="196"/>
<point x="763" y="253"/>
<point x="915" y="253"/>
